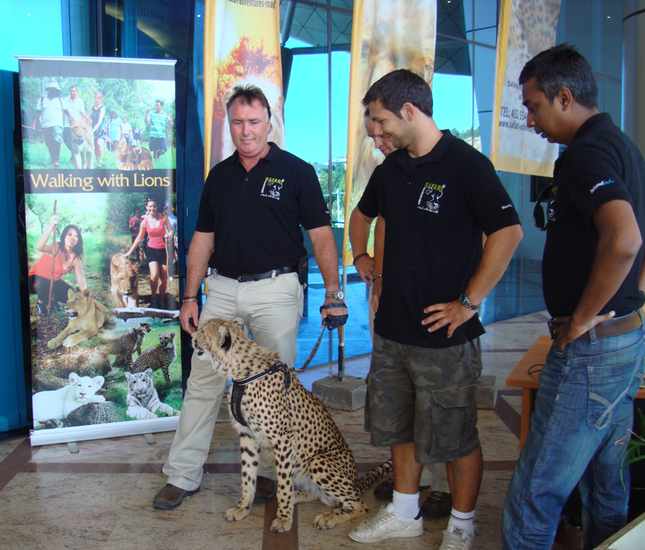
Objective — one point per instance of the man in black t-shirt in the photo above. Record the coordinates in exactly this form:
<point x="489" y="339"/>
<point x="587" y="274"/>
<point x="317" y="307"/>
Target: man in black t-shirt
<point x="437" y="195"/>
<point x="592" y="271"/>
<point x="248" y="231"/>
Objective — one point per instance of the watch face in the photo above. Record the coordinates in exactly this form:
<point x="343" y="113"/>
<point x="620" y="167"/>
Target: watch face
<point x="335" y="294"/>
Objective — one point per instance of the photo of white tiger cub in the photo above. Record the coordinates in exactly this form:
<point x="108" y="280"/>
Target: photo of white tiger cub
<point x="143" y="400"/>
<point x="56" y="405"/>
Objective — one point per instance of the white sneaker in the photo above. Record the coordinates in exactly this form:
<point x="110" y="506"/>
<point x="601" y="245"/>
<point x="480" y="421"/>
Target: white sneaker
<point x="385" y="524"/>
<point x="457" y="539"/>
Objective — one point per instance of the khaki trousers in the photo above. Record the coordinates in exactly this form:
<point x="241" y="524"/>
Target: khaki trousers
<point x="271" y="309"/>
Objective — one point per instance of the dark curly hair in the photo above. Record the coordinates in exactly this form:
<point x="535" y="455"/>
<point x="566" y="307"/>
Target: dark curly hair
<point x="78" y="249"/>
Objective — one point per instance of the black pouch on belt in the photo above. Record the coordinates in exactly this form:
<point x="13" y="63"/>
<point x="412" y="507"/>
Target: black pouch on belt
<point x="303" y="270"/>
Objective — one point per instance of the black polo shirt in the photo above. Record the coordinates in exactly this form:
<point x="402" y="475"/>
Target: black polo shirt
<point x="256" y="216"/>
<point x="601" y="164"/>
<point x="436" y="208"/>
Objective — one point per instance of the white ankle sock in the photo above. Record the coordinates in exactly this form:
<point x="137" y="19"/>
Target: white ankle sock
<point x="405" y="505"/>
<point x="462" y="520"/>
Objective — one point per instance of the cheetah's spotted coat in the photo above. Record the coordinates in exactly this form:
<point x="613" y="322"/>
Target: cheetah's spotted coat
<point x="307" y="445"/>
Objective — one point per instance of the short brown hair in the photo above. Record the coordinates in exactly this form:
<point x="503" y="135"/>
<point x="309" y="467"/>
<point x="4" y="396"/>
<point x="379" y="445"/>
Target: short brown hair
<point x="247" y="95"/>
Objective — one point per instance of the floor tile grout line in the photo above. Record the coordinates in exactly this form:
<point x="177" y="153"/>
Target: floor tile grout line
<point x="279" y="541"/>
<point x="506" y="413"/>
<point x="15" y="462"/>
<point x="155" y="468"/>
<point x="504" y="350"/>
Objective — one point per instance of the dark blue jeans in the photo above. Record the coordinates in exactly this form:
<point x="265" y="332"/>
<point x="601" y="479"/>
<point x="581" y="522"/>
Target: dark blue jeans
<point x="579" y="433"/>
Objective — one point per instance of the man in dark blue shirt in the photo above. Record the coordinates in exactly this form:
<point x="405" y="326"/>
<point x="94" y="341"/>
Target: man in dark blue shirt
<point x="592" y="279"/>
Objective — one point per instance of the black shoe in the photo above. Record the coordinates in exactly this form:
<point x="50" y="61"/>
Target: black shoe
<point x="265" y="489"/>
<point x="383" y="491"/>
<point x="437" y="505"/>
<point x="170" y="497"/>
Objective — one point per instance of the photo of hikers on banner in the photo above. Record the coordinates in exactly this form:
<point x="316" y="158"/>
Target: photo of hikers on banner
<point x="91" y="123"/>
<point x="103" y="322"/>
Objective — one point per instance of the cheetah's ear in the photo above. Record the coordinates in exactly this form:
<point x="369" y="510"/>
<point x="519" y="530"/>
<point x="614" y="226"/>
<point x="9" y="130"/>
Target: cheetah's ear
<point x="225" y="339"/>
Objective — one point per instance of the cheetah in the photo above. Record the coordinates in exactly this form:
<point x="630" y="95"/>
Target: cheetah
<point x="274" y="411"/>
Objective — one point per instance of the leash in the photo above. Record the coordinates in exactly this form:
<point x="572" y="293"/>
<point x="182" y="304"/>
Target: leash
<point x="330" y="322"/>
<point x="313" y="351"/>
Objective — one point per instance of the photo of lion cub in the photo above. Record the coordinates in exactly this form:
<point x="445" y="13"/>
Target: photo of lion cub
<point x="88" y="316"/>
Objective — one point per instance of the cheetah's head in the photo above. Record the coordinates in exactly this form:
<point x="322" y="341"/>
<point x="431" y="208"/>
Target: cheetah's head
<point x="216" y="340"/>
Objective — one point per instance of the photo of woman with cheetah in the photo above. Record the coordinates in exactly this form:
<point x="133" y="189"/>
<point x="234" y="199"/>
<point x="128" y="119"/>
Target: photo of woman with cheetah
<point x="104" y="332"/>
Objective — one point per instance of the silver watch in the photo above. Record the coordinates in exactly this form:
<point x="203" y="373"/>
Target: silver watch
<point x="464" y="300"/>
<point x="335" y="294"/>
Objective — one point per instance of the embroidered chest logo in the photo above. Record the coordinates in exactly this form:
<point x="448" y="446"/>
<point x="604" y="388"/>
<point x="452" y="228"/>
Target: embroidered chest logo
<point x="272" y="188"/>
<point x="430" y="197"/>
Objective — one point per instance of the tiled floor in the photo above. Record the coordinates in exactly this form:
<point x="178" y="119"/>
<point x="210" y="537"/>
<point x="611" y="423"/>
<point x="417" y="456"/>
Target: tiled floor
<point x="101" y="497"/>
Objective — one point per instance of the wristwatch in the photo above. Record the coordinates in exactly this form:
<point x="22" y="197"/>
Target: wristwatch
<point x="337" y="294"/>
<point x="464" y="300"/>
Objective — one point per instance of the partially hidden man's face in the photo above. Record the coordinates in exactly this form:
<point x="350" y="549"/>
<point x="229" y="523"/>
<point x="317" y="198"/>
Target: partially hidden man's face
<point x="388" y="126"/>
<point x="381" y="142"/>
<point x="250" y="127"/>
<point x="544" y="116"/>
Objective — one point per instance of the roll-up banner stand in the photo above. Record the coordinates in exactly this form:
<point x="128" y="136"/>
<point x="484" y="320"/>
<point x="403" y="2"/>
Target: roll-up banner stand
<point x="101" y="235"/>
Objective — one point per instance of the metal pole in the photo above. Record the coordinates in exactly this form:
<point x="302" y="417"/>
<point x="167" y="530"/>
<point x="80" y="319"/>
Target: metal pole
<point x="330" y="183"/>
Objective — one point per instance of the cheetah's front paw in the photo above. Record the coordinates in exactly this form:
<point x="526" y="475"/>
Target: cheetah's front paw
<point x="281" y="525"/>
<point x="236" y="513"/>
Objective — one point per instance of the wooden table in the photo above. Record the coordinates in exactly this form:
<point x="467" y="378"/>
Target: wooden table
<point x="520" y="377"/>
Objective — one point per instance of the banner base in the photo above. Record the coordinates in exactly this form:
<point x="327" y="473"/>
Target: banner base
<point x="101" y="431"/>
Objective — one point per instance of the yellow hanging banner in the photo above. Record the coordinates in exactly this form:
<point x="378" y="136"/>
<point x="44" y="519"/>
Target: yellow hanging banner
<point x="241" y="47"/>
<point x="386" y="35"/>
<point x="526" y="27"/>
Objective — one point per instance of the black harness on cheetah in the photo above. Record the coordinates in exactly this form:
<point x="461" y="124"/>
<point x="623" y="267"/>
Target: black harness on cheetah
<point x="240" y="385"/>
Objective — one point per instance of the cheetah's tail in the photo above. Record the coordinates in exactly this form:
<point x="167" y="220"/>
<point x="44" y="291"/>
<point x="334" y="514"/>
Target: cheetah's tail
<point x="375" y="475"/>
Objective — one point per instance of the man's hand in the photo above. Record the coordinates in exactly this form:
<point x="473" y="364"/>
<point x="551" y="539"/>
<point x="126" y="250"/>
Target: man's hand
<point x="452" y="315"/>
<point x="570" y="330"/>
<point x="365" y="267"/>
<point x="335" y="316"/>
<point x="189" y="316"/>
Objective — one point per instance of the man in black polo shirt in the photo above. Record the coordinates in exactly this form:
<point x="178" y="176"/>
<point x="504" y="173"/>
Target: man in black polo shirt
<point x="438" y="196"/>
<point x="591" y="270"/>
<point x="248" y="231"/>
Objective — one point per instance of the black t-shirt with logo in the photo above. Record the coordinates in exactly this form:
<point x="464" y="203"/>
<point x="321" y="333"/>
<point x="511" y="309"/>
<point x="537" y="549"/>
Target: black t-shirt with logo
<point x="256" y="216"/>
<point x="601" y="164"/>
<point x="436" y="209"/>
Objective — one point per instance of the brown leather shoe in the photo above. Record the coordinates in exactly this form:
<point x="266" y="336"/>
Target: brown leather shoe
<point x="170" y="497"/>
<point x="264" y="489"/>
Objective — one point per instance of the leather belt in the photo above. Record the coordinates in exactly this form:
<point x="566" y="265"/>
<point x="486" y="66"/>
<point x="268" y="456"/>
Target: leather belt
<point x="610" y="327"/>
<point x="248" y="277"/>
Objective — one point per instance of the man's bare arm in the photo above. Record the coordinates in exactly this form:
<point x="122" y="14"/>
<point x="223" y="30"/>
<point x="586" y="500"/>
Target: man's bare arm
<point x="379" y="255"/>
<point x="326" y="255"/>
<point x="498" y="251"/>
<point x="201" y="248"/>
<point x="619" y="240"/>
<point x="359" y="230"/>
